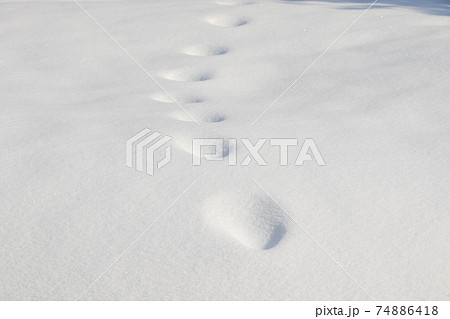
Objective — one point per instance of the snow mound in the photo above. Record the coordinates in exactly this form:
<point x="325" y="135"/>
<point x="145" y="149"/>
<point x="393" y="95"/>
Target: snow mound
<point x="253" y="219"/>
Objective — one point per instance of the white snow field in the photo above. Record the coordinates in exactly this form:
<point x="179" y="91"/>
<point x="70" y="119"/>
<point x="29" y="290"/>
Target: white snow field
<point x="374" y="95"/>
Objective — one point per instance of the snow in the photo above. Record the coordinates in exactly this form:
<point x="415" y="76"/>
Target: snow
<point x="253" y="219"/>
<point x="376" y="104"/>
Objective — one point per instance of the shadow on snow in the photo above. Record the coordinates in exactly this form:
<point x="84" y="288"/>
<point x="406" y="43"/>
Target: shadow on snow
<point x="438" y="7"/>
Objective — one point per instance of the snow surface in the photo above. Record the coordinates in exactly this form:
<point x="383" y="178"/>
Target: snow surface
<point x="376" y="104"/>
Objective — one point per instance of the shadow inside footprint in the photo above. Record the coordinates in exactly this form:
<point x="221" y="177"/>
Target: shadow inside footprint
<point x="278" y="233"/>
<point x="214" y="118"/>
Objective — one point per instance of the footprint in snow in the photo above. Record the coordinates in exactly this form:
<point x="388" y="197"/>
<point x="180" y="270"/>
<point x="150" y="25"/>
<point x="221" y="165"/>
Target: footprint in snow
<point x="205" y="50"/>
<point x="253" y="219"/>
<point x="214" y="117"/>
<point x="186" y="75"/>
<point x="227" y="21"/>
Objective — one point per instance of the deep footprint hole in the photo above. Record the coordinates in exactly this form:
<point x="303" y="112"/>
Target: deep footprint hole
<point x="278" y="234"/>
<point x="194" y="100"/>
<point x="202" y="77"/>
<point x="215" y="118"/>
